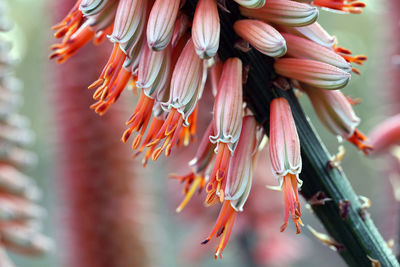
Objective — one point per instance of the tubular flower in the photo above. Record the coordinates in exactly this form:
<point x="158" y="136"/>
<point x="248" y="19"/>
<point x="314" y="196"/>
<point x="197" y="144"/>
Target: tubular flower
<point x="166" y="48"/>
<point x="262" y="36"/>
<point x="206" y="28"/>
<point x="239" y="177"/>
<point x="239" y="180"/>
<point x="283" y="12"/>
<point x="284" y="150"/>
<point x="154" y="72"/>
<point x="228" y="112"/>
<point x="187" y="85"/>
<point x="317" y="34"/>
<point x="302" y="48"/>
<point x="161" y="23"/>
<point x="312" y="72"/>
<point x="335" y="112"/>
<point x="128" y="28"/>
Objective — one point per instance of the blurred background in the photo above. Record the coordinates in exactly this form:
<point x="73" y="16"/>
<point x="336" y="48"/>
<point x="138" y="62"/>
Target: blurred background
<point x="173" y="237"/>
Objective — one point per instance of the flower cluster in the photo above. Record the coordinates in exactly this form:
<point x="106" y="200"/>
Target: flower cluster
<point x="170" y="56"/>
<point x="20" y="215"/>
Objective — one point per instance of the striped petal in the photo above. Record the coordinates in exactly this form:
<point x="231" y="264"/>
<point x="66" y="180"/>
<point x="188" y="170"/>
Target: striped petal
<point x="261" y="36"/>
<point x="312" y="72"/>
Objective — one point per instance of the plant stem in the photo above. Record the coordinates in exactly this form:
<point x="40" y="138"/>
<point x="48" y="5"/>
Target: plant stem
<point x="356" y="232"/>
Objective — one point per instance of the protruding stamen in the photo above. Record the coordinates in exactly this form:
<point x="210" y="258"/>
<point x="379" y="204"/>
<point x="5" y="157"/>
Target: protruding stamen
<point x="218" y="173"/>
<point x="108" y="95"/>
<point x="170" y="131"/>
<point x="223" y="226"/>
<point x="347" y="6"/>
<point x="358" y="139"/>
<point x="197" y="183"/>
<point x="70" y="23"/>
<point x="69" y="47"/>
<point x="112" y="68"/>
<point x="140" y="118"/>
<point x="292" y="204"/>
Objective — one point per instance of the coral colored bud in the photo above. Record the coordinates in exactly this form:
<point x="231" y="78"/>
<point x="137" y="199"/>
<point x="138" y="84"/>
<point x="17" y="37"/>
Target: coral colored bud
<point x="187" y="82"/>
<point x="251" y="3"/>
<point x="228" y="110"/>
<point x="299" y="47"/>
<point x="312" y="72"/>
<point x="206" y="28"/>
<point x="239" y="177"/>
<point x="161" y="22"/>
<point x="288" y="13"/>
<point x="129" y="25"/>
<point x="284" y="145"/>
<point x="386" y="135"/>
<point x="284" y="151"/>
<point x="262" y="36"/>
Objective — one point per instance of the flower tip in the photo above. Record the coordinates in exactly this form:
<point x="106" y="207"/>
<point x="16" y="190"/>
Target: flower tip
<point x="251" y="3"/>
<point x="156" y="46"/>
<point x="261" y="36"/>
<point x="178" y="209"/>
<point x="283" y="227"/>
<point x="359" y="140"/>
<point x="206" y="29"/>
<point x="205" y="241"/>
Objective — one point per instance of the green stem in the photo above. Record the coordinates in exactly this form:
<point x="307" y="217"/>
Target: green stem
<point x="355" y="232"/>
